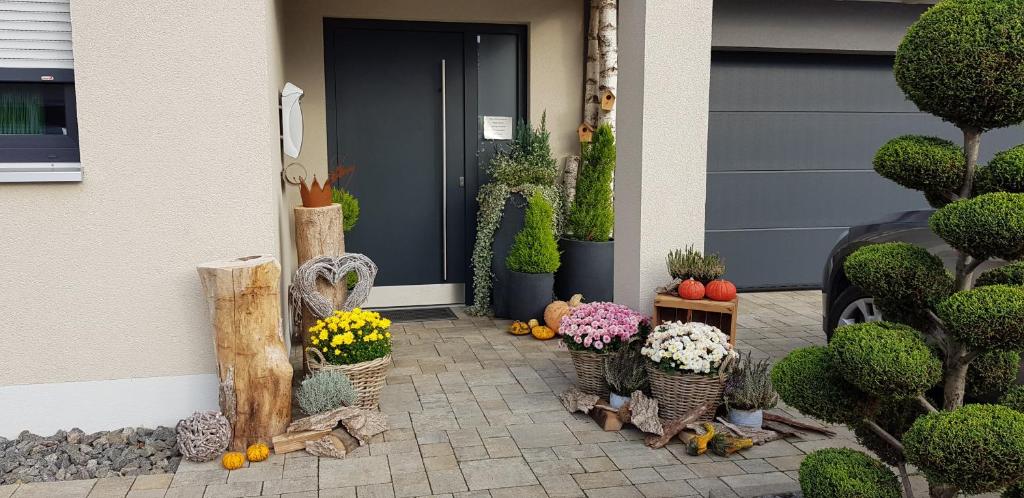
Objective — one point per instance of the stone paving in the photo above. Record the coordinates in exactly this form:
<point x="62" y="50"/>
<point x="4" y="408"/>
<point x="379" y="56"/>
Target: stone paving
<point x="473" y="412"/>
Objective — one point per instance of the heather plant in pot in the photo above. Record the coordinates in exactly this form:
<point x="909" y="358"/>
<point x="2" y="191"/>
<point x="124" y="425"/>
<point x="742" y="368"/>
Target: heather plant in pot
<point x="587" y="246"/>
<point x="903" y="385"/>
<point x="624" y="370"/>
<point x="691" y="263"/>
<point x="532" y="261"/>
<point x="749" y="391"/>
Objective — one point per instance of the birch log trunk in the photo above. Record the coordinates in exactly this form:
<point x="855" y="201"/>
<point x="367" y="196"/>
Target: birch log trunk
<point x="609" y="55"/>
<point x="319" y="232"/>
<point x="591" y="94"/>
<point x="256" y="377"/>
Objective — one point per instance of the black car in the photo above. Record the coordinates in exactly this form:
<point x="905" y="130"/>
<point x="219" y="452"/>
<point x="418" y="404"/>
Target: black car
<point x="842" y="303"/>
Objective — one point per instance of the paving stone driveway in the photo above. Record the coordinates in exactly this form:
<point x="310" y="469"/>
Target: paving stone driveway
<point x="473" y="412"/>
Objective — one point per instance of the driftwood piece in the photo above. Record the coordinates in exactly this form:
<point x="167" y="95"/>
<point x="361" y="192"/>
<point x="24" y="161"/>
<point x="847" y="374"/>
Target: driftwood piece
<point x="797" y="424"/>
<point x="252" y="361"/>
<point x="365" y="424"/>
<point x="643" y="413"/>
<point x="327" y="446"/>
<point x="325" y="421"/>
<point x="676" y="426"/>
<point x="758" y="436"/>
<point x="783" y="430"/>
<point x="575" y="400"/>
<point x="295" y="441"/>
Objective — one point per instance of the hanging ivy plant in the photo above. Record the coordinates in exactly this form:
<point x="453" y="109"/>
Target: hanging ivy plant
<point x="525" y="168"/>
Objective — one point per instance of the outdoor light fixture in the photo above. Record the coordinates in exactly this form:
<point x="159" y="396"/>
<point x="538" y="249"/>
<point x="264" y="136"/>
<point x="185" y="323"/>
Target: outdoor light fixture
<point x="291" y="120"/>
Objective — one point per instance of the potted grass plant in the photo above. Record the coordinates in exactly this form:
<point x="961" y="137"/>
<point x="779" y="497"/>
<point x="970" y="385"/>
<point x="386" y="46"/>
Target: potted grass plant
<point x="749" y="392"/>
<point x="587" y="246"/>
<point x="532" y="261"/>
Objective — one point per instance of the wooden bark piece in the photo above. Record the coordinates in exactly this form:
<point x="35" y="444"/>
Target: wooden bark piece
<point x="575" y="400"/>
<point x="676" y="426"/>
<point x="245" y="308"/>
<point x="591" y="98"/>
<point x="643" y="413"/>
<point x="349" y="441"/>
<point x="327" y="446"/>
<point x="365" y="424"/>
<point x="319" y="232"/>
<point x="569" y="175"/>
<point x="294" y="441"/>
<point x="797" y="424"/>
<point x="325" y="421"/>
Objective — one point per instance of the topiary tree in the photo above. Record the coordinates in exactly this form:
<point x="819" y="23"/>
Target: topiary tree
<point x="534" y="249"/>
<point x="846" y="473"/>
<point x="962" y="61"/>
<point x="592" y="215"/>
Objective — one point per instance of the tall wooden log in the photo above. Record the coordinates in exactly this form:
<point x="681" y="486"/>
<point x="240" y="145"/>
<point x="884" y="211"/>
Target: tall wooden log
<point x="245" y="308"/>
<point x="318" y="232"/>
<point x="608" y="36"/>
<point x="591" y="95"/>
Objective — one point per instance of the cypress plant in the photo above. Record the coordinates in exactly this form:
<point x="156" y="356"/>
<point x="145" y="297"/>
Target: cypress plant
<point x="592" y="214"/>
<point x="534" y="249"/>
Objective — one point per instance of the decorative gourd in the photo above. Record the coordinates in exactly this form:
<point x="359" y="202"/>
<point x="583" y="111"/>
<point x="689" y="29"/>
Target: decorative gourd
<point x="257" y="452"/>
<point x="518" y="328"/>
<point x="542" y="332"/>
<point x="691" y="289"/>
<point x="533" y="323"/>
<point x="725" y="445"/>
<point x="232" y="460"/>
<point x="698" y="444"/>
<point x="721" y="290"/>
<point x="556" y="310"/>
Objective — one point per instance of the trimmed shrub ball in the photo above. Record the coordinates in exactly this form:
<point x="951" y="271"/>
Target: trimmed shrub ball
<point x="928" y="164"/>
<point x="1011" y="274"/>
<point x="896" y="417"/>
<point x="887" y="360"/>
<point x="806" y="380"/>
<point x="1004" y="173"/>
<point x="990" y="317"/>
<point x="991" y="374"/>
<point x="987" y="226"/>
<point x="963" y="61"/>
<point x="978" y="448"/>
<point x="846" y="473"/>
<point x="1015" y="491"/>
<point x="899" y="273"/>
<point x="1014" y="398"/>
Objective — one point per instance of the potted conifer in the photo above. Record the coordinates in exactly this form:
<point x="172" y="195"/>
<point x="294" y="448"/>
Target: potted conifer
<point x="587" y="247"/>
<point x="532" y="261"/>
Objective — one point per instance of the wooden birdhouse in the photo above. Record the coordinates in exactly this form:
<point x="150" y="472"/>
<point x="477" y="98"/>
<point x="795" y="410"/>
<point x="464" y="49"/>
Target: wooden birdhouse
<point x="586" y="133"/>
<point x="607" y="100"/>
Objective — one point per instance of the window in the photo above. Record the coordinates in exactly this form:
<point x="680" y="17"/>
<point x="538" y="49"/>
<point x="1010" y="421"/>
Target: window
<point x="38" y="117"/>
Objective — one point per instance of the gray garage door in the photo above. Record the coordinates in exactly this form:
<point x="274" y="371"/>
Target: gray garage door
<point x="789" y="158"/>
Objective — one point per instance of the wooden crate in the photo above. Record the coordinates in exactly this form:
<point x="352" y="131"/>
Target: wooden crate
<point x="721" y="314"/>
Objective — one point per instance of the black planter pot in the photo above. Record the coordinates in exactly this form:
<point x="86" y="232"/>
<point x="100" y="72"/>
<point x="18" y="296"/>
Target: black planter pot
<point x="511" y="223"/>
<point x="586" y="269"/>
<point x="529" y="294"/>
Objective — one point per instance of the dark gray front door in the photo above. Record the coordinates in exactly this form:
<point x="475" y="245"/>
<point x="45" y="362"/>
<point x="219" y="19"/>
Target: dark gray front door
<point x="791" y="140"/>
<point x="400" y="114"/>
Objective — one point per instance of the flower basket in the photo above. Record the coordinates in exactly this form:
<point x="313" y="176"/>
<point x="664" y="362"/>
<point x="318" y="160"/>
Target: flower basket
<point x="678" y="393"/>
<point x="590" y="372"/>
<point x="367" y="377"/>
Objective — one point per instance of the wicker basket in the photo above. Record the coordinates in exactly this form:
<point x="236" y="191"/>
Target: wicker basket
<point x="367" y="377"/>
<point x="678" y="393"/>
<point x="590" y="372"/>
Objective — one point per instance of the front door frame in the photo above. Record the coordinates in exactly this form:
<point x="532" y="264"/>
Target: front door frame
<point x="470" y="79"/>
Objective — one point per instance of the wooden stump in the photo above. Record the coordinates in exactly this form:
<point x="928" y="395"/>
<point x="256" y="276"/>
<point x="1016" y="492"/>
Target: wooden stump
<point x="245" y="307"/>
<point x="319" y="232"/>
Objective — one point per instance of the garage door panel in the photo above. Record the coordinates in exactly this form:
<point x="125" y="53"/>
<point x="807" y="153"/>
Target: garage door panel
<point x="803" y="199"/>
<point x="804" y="82"/>
<point x="774" y="258"/>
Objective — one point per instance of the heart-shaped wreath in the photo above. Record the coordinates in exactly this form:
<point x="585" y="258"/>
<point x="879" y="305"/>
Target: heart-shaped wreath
<point x="333" y="269"/>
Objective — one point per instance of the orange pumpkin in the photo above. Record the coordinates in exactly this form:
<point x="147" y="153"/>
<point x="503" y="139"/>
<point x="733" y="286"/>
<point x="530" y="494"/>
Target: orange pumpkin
<point x="518" y="328"/>
<point x="542" y="332"/>
<point x="232" y="460"/>
<point x="691" y="289"/>
<point x="721" y="290"/>
<point x="554" y="312"/>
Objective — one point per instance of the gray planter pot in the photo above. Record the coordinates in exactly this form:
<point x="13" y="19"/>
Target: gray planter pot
<point x="587" y="268"/>
<point x="511" y="223"/>
<point x="746" y="418"/>
<point x="529" y="294"/>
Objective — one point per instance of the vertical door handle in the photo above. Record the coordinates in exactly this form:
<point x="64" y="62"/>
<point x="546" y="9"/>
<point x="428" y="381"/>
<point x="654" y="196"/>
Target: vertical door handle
<point x="444" y="170"/>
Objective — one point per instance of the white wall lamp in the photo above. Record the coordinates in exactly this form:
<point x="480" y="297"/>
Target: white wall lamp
<point x="291" y="120"/>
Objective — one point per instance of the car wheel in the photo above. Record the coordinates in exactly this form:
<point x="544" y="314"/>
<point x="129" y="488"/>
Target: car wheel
<point x="852" y="306"/>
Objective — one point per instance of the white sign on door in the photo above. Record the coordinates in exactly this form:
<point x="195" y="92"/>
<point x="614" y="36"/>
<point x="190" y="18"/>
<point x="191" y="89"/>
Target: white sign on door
<point x="498" y="127"/>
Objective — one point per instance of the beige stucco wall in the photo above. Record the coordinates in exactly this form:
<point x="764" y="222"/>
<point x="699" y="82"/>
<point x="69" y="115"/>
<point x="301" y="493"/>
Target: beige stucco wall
<point x="555" y="68"/>
<point x="178" y="123"/>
